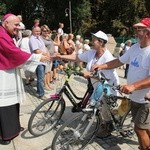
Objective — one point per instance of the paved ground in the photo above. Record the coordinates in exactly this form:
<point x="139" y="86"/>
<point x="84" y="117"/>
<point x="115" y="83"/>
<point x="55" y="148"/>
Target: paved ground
<point x="25" y="141"/>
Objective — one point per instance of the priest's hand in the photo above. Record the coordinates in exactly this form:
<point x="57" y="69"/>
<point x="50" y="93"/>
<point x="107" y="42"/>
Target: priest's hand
<point x="45" y="58"/>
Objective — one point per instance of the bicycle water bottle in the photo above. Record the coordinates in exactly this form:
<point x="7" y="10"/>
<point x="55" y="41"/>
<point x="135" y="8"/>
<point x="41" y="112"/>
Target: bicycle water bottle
<point x="97" y="93"/>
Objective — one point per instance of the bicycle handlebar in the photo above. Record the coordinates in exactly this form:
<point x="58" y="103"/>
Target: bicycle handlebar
<point x="73" y="70"/>
<point x="99" y="76"/>
<point x="79" y="73"/>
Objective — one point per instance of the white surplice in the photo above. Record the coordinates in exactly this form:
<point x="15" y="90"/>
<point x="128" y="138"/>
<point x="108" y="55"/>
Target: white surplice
<point x="11" y="84"/>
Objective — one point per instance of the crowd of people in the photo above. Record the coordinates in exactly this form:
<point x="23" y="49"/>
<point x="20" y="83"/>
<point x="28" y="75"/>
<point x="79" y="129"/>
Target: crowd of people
<point x="40" y="39"/>
<point x="31" y="50"/>
<point x="40" y="50"/>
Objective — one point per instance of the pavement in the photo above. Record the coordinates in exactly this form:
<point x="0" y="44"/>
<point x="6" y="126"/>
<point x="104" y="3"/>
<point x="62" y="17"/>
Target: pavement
<point x="26" y="141"/>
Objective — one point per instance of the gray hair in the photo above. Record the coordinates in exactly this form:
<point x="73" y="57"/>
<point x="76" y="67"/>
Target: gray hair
<point x="26" y="33"/>
<point x="86" y="41"/>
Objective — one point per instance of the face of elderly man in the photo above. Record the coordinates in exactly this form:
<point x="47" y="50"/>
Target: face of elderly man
<point x="36" y="31"/>
<point x="11" y="24"/>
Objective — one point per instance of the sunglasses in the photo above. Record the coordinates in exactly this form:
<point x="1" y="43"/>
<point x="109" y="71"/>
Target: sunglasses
<point x="139" y="29"/>
<point x="45" y="31"/>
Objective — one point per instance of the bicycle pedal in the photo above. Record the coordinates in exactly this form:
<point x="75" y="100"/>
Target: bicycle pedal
<point x="87" y="109"/>
<point x="76" y="109"/>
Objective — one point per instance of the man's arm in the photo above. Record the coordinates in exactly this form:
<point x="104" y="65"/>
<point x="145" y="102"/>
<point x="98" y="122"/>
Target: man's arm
<point x="72" y="57"/>
<point x="142" y="84"/>
<point x="109" y="65"/>
<point x="38" y="51"/>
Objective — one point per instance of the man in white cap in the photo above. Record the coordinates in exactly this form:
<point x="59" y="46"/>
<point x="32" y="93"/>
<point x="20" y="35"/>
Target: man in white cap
<point x="98" y="55"/>
<point x="138" y="80"/>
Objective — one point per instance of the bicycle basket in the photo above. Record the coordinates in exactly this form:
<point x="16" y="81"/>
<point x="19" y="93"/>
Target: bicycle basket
<point x="123" y="107"/>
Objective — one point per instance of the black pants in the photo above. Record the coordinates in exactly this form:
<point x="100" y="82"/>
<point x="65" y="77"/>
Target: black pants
<point x="9" y="121"/>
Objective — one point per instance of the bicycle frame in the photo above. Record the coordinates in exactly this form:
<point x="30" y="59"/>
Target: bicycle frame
<point x="67" y="90"/>
<point x="105" y="94"/>
<point x="83" y="128"/>
<point x="107" y="106"/>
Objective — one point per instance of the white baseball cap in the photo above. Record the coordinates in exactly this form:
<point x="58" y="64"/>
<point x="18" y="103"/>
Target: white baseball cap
<point x="122" y="45"/>
<point x="101" y="35"/>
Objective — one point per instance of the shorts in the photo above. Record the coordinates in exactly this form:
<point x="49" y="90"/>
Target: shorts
<point x="141" y="114"/>
<point x="48" y="67"/>
<point x="55" y="64"/>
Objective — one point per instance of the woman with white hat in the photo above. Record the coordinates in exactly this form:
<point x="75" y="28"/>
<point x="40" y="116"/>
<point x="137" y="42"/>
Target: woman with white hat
<point x="98" y="55"/>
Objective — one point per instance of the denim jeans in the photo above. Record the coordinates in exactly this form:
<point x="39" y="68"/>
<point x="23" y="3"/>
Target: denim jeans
<point x="40" y="73"/>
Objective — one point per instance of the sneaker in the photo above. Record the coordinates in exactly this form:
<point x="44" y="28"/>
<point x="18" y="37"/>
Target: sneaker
<point x="146" y="149"/>
<point x="103" y="134"/>
<point x="110" y="126"/>
<point x="5" y="142"/>
<point x="105" y="130"/>
<point x="21" y="129"/>
<point x="31" y="80"/>
<point x="27" y="83"/>
<point x="43" y="97"/>
<point x="47" y="89"/>
<point x="51" y="87"/>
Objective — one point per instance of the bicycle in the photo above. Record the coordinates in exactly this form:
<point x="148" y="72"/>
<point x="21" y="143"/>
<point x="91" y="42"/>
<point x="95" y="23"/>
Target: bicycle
<point x="46" y="116"/>
<point x="78" y="132"/>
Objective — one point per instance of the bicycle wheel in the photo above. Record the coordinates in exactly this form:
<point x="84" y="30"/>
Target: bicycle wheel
<point x="127" y="126"/>
<point x="72" y="136"/>
<point x="46" y="116"/>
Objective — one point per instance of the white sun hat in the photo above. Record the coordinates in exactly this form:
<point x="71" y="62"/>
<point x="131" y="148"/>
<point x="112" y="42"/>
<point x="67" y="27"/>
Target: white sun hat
<point x="101" y="35"/>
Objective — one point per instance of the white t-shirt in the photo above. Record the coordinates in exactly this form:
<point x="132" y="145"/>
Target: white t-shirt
<point x="22" y="26"/>
<point x="139" y="68"/>
<point x="80" y="51"/>
<point x="24" y="44"/>
<point x="60" y="31"/>
<point x="89" y="58"/>
<point x="12" y="89"/>
<point x="126" y="48"/>
<point x="86" y="47"/>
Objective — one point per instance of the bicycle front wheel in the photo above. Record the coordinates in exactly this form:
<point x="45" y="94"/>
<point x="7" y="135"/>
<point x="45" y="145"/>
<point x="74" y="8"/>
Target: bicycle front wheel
<point x="75" y="134"/>
<point x="45" y="116"/>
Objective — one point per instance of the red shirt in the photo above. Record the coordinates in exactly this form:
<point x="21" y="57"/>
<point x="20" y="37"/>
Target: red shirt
<point x="10" y="55"/>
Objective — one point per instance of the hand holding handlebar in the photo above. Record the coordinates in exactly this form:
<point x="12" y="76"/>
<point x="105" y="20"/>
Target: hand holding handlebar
<point x="95" y="67"/>
<point x="99" y="75"/>
<point x="127" y="89"/>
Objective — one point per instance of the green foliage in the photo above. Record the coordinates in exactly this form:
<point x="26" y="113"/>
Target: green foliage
<point x="82" y="17"/>
<point x="2" y="8"/>
<point x="114" y="17"/>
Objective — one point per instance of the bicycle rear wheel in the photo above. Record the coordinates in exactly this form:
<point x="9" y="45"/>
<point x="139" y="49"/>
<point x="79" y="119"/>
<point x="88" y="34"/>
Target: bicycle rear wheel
<point x="70" y="135"/>
<point x="127" y="126"/>
<point x="46" y="116"/>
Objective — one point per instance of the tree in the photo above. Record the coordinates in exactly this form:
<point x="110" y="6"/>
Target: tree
<point x="117" y="17"/>
<point x="2" y="9"/>
<point x="114" y="17"/>
<point x="82" y="16"/>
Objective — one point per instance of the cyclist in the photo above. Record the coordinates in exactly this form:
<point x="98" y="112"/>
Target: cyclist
<point x="98" y="55"/>
<point x="138" y="80"/>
